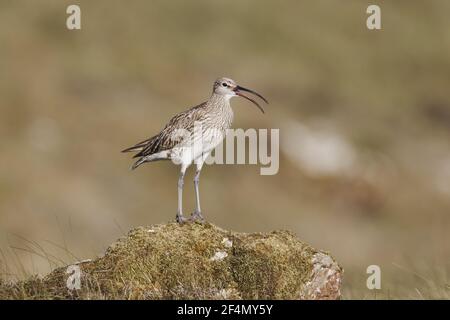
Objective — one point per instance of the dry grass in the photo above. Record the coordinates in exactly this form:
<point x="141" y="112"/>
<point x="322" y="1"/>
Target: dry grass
<point x="193" y="261"/>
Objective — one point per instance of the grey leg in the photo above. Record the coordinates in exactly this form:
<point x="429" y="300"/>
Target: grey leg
<point x="197" y="215"/>
<point x="197" y="193"/>
<point x="180" y="217"/>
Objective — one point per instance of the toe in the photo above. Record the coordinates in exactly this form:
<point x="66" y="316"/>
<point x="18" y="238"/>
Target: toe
<point x="198" y="217"/>
<point x="181" y="219"/>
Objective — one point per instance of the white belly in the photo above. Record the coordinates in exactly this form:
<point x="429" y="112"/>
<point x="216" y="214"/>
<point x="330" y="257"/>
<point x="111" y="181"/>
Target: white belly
<point x="198" y="147"/>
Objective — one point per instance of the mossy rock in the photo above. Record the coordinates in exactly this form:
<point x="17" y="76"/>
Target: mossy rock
<point x="194" y="261"/>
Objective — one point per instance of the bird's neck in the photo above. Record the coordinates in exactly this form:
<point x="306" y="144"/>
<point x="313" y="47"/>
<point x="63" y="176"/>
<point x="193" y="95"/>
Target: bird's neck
<point x="219" y="101"/>
<point x="220" y="106"/>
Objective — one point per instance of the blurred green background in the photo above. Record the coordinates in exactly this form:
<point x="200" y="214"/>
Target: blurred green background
<point x="364" y="119"/>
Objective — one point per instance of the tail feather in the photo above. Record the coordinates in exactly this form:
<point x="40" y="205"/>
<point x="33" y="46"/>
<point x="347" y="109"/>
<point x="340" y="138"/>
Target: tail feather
<point x="138" y="146"/>
<point x="138" y="163"/>
<point x="132" y="149"/>
<point x="164" y="155"/>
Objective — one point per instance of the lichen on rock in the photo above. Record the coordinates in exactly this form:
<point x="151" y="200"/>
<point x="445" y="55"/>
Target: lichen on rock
<point x="195" y="261"/>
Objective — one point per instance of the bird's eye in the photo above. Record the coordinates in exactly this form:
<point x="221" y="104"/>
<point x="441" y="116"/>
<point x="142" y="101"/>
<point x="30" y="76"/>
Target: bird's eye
<point x="224" y="84"/>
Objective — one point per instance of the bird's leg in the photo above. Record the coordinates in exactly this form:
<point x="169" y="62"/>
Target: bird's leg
<point x="197" y="215"/>
<point x="180" y="217"/>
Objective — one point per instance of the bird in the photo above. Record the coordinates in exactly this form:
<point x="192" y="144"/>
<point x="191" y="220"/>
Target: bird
<point x="190" y="136"/>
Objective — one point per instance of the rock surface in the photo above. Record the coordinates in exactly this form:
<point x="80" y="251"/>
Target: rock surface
<point x="193" y="261"/>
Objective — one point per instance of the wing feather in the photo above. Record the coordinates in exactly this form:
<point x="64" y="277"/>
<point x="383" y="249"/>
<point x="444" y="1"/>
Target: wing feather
<point x="168" y="137"/>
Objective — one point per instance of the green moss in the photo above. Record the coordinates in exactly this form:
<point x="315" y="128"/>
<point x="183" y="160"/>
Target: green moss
<point x="191" y="261"/>
<point x="273" y="266"/>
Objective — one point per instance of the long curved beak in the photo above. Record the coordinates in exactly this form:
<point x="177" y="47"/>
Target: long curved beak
<point x="238" y="90"/>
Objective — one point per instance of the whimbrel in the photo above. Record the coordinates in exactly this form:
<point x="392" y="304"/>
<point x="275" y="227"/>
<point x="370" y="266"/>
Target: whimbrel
<point x="190" y="136"/>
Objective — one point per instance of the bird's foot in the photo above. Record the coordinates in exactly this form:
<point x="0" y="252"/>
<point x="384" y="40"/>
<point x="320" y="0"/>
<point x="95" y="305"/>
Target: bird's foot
<point x="181" y="219"/>
<point x="197" y="217"/>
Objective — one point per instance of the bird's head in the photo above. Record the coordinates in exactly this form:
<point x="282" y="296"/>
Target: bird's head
<point x="229" y="88"/>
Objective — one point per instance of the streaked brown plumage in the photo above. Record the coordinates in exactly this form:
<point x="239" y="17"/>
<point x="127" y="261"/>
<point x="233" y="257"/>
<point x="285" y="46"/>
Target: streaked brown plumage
<point x="205" y="123"/>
